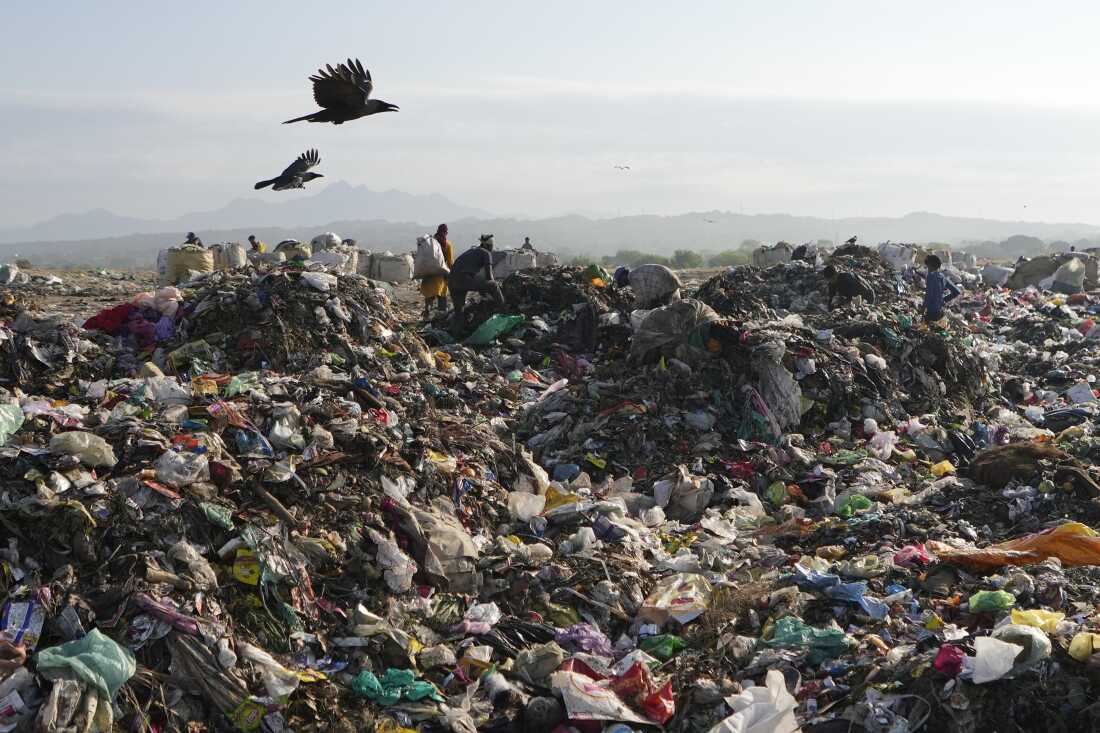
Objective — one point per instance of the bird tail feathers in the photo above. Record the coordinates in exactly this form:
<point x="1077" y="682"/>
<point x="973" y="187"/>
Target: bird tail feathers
<point x="264" y="184"/>
<point x="303" y="117"/>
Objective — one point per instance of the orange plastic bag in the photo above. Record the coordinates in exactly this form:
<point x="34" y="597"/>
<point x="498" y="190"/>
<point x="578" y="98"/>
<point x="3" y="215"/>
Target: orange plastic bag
<point x="1073" y="543"/>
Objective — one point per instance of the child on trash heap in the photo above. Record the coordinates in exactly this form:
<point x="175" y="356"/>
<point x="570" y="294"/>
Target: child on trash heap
<point x="935" y="283"/>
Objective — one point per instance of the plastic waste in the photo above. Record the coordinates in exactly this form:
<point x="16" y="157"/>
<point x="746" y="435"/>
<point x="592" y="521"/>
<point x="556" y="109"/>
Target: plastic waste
<point x="993" y="659"/>
<point x="11" y="419"/>
<point x="523" y="506"/>
<point x="662" y="646"/>
<point x="493" y="328"/>
<point x="182" y="468"/>
<point x="682" y="597"/>
<point x="991" y="601"/>
<point x="91" y="449"/>
<point x="1034" y="643"/>
<point x="949" y="660"/>
<point x="1046" y="620"/>
<point x="1073" y="543"/>
<point x="1083" y="645"/>
<point x="849" y="506"/>
<point x="394" y="685"/>
<point x="767" y="708"/>
<point x="791" y="632"/>
<point x="278" y="680"/>
<point x="96" y="659"/>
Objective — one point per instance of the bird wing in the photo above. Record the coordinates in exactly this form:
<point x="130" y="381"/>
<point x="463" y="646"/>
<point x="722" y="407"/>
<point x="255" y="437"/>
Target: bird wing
<point x="304" y="162"/>
<point x="348" y="86"/>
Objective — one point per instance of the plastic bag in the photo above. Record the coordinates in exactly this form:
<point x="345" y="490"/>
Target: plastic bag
<point x="493" y="328"/>
<point x="1084" y="645"/>
<point x="398" y="568"/>
<point x="991" y="601"/>
<point x="91" y="449"/>
<point x="791" y="632"/>
<point x="278" y="680"/>
<point x="320" y="280"/>
<point x="1046" y="620"/>
<point x="584" y="699"/>
<point x="882" y="445"/>
<point x="853" y="504"/>
<point x="662" y="646"/>
<point x="1073" y="543"/>
<point x="96" y="659"/>
<point x="683" y="597"/>
<point x="429" y="260"/>
<point x="766" y="708"/>
<point x="949" y="660"/>
<point x="11" y="419"/>
<point x="993" y="659"/>
<point x="523" y="506"/>
<point x="179" y="469"/>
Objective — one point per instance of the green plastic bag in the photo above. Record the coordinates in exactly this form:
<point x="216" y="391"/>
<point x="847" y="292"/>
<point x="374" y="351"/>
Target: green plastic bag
<point x="852" y="505"/>
<point x="662" y="646"/>
<point x="243" y="383"/>
<point x="96" y="659"/>
<point x="217" y="514"/>
<point x="11" y="419"/>
<point x="394" y="685"/>
<point x="793" y="633"/>
<point x="493" y="328"/>
<point x="991" y="601"/>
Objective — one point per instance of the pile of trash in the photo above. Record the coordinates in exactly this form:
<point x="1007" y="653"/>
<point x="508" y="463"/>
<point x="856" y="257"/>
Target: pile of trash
<point x="274" y="499"/>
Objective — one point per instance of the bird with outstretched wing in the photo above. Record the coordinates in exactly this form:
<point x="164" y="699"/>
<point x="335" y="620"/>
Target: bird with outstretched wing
<point x="296" y="175"/>
<point x="343" y="94"/>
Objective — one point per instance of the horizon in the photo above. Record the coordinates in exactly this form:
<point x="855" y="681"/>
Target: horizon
<point x="826" y="112"/>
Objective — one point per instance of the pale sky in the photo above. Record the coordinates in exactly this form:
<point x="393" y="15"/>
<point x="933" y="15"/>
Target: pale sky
<point x="827" y="109"/>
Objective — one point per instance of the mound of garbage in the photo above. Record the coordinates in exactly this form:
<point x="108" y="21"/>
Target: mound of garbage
<point x="262" y="501"/>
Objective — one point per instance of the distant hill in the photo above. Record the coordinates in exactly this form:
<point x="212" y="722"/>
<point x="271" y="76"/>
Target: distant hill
<point x="567" y="235"/>
<point x="337" y="201"/>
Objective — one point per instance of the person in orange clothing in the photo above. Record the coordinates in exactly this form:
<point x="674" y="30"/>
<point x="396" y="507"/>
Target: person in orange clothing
<point x="435" y="287"/>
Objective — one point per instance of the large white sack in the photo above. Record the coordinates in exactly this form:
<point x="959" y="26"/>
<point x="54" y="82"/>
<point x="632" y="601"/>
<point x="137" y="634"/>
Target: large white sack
<point x="429" y="260"/>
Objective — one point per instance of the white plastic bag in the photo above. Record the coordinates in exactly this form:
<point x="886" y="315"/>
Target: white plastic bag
<point x="767" y="709"/>
<point x="182" y="469"/>
<point x="320" y="280"/>
<point x="523" y="506"/>
<point x="429" y="260"/>
<point x="91" y="449"/>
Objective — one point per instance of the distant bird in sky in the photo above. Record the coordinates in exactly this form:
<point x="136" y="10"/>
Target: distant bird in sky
<point x="344" y="92"/>
<point x="622" y="167"/>
<point x="710" y="221"/>
<point x="296" y="174"/>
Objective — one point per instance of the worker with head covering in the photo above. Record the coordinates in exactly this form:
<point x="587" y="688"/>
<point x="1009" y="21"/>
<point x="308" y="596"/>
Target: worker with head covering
<point x="473" y="272"/>
<point x="434" y="287"/>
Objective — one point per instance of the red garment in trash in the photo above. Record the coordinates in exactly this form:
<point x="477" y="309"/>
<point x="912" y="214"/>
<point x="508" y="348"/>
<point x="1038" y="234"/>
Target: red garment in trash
<point x="111" y="320"/>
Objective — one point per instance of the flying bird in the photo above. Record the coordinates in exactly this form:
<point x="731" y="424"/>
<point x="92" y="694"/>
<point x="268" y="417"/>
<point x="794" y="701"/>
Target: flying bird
<point x="296" y="174"/>
<point x="344" y="92"/>
<point x="622" y="167"/>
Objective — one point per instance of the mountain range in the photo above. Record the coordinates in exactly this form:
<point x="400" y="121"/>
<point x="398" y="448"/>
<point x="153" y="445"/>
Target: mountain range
<point x="337" y="201"/>
<point x="391" y="220"/>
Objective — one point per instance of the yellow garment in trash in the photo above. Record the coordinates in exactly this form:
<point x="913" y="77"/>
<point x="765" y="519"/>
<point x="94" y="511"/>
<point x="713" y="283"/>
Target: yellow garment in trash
<point x="436" y="285"/>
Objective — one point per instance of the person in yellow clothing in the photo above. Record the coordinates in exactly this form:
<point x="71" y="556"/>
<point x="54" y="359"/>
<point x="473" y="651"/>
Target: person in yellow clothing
<point x="435" y="287"/>
<point x="257" y="245"/>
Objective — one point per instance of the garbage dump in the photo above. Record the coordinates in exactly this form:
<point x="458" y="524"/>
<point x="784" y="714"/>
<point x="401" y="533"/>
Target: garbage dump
<point x="274" y="499"/>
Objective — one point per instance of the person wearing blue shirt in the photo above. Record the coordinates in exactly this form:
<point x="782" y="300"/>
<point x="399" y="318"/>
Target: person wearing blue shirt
<point x="934" y="286"/>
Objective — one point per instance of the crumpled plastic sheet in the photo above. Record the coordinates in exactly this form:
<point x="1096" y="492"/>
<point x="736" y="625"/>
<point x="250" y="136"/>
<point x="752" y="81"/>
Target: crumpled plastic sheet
<point x="761" y="709"/>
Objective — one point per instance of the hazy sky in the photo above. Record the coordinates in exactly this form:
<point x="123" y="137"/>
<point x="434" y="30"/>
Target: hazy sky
<point x="842" y="108"/>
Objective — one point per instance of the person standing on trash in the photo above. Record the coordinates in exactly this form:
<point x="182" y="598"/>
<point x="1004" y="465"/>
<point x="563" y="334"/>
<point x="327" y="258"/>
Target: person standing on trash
<point x="473" y="272"/>
<point x="193" y="240"/>
<point x="847" y="285"/>
<point x="654" y="285"/>
<point x="435" y="286"/>
<point x="527" y="244"/>
<point x="935" y="283"/>
<point x="257" y="246"/>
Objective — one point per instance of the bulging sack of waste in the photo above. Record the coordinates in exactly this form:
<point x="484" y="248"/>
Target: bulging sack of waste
<point x="392" y="268"/>
<point x="429" y="260"/>
<point x="91" y="449"/>
<point x="328" y="240"/>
